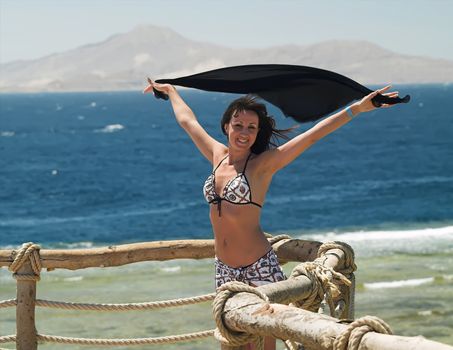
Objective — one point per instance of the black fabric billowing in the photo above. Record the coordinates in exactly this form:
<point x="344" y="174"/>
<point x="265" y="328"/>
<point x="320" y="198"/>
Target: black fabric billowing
<point x="303" y="93"/>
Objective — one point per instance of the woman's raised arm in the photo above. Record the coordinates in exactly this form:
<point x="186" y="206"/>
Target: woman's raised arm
<point x="281" y="156"/>
<point x="187" y="120"/>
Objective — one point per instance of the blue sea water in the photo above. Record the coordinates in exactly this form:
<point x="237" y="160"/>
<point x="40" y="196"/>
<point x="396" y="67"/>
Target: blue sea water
<point x="115" y="167"/>
<point x="88" y="169"/>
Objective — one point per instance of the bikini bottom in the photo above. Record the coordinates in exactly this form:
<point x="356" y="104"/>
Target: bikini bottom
<point x="263" y="271"/>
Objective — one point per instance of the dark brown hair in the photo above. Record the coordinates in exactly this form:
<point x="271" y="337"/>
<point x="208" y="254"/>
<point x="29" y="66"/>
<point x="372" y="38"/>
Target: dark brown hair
<point x="268" y="135"/>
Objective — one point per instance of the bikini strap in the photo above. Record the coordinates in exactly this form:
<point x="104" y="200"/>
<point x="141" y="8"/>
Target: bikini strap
<point x="219" y="163"/>
<point x="245" y="165"/>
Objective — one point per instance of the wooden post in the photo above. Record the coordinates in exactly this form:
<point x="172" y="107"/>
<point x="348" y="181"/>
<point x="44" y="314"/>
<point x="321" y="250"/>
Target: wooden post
<point x="25" y="311"/>
<point x="244" y="312"/>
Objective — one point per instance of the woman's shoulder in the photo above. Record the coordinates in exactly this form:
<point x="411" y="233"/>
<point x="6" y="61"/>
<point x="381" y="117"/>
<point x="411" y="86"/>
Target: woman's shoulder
<point x="220" y="151"/>
<point x="261" y="162"/>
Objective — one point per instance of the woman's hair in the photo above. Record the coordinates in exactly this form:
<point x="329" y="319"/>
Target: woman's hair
<point x="268" y="135"/>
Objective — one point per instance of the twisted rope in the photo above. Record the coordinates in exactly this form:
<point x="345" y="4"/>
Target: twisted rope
<point x="111" y="342"/>
<point x="350" y="339"/>
<point x="115" y="307"/>
<point x="325" y="281"/>
<point x="136" y="341"/>
<point x="125" y="307"/>
<point x="27" y="251"/>
<point x="290" y="345"/>
<point x="222" y="333"/>
<point x="349" y="256"/>
<point x="7" y="339"/>
<point x="8" y="303"/>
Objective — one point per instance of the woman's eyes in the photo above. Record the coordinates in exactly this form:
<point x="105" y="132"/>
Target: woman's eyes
<point x="251" y="127"/>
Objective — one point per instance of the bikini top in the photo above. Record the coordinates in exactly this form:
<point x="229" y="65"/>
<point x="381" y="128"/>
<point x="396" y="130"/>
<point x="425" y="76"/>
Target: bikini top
<point x="236" y="191"/>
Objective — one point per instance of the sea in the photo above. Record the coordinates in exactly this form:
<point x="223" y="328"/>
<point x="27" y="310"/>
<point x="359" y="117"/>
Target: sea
<point x="83" y="170"/>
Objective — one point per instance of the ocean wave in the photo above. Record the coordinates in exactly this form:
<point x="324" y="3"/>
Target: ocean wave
<point x="399" y="284"/>
<point x="384" y="242"/>
<point x="110" y="128"/>
<point x="77" y="245"/>
<point x="388" y="235"/>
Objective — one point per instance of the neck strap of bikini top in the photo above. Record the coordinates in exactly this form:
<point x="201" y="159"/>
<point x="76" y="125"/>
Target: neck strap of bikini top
<point x="245" y="165"/>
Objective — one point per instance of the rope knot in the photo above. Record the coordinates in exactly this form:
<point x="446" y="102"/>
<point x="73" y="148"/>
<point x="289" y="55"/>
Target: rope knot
<point x="349" y="264"/>
<point x="325" y="282"/>
<point x="27" y="251"/>
<point x="350" y="339"/>
<point x="222" y="333"/>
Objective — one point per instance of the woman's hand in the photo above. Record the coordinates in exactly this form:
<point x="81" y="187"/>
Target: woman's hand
<point x="165" y="88"/>
<point x="365" y="105"/>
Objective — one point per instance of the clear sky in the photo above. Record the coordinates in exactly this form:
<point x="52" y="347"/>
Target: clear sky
<point x="32" y="29"/>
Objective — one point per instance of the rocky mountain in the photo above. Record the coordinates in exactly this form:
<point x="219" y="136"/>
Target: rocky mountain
<point x="123" y="61"/>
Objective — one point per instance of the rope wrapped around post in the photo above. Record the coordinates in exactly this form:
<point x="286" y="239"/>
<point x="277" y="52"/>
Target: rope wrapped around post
<point x="27" y="251"/>
<point x="222" y="333"/>
<point x="349" y="256"/>
<point x="325" y="280"/>
<point x="350" y="339"/>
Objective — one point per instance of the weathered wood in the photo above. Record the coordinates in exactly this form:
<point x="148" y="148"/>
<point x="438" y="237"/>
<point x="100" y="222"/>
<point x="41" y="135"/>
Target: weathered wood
<point x="243" y="313"/>
<point x="25" y="311"/>
<point x="74" y="259"/>
<point x="296" y="250"/>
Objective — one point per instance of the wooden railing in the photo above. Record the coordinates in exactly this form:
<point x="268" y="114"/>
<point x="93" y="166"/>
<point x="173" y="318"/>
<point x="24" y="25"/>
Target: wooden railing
<point x="240" y="312"/>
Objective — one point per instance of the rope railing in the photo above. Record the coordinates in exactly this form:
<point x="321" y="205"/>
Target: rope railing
<point x="125" y="307"/>
<point x="115" y="307"/>
<point x="29" y="253"/>
<point x="116" y="342"/>
<point x="312" y="284"/>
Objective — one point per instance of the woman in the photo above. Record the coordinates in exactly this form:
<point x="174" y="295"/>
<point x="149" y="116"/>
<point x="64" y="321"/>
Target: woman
<point x="242" y="173"/>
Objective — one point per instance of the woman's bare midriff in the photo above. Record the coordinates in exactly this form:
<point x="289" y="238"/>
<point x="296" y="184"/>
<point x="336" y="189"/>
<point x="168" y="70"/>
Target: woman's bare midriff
<point x="239" y="239"/>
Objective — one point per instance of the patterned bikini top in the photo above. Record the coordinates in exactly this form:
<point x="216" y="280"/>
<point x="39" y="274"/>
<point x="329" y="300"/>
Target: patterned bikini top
<point x="236" y="191"/>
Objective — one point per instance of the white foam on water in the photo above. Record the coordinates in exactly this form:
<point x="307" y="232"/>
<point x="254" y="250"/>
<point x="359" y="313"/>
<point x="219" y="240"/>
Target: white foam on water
<point x="110" y="128"/>
<point x="424" y="240"/>
<point x="7" y="133"/>
<point x="447" y="277"/>
<point x="428" y="233"/>
<point x="93" y="104"/>
<point x="73" y="279"/>
<point x="399" y="284"/>
<point x="171" y="269"/>
<point x="425" y="313"/>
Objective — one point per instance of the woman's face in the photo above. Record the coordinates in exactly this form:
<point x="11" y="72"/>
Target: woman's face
<point x="242" y="130"/>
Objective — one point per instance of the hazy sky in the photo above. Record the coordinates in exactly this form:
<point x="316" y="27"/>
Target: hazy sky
<point x="32" y="29"/>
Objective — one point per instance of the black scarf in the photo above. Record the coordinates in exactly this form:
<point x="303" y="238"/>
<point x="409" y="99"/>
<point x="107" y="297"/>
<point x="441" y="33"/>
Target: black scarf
<point x="303" y="93"/>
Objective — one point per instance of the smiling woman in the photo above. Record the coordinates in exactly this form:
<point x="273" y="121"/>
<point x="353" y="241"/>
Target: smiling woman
<point x="245" y="167"/>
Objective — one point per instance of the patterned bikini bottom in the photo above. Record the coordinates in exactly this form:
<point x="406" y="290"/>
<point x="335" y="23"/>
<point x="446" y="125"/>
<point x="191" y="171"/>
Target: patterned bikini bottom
<point x="263" y="271"/>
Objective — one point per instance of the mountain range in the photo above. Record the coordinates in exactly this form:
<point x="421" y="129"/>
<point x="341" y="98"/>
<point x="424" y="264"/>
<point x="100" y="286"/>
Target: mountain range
<point x="123" y="61"/>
